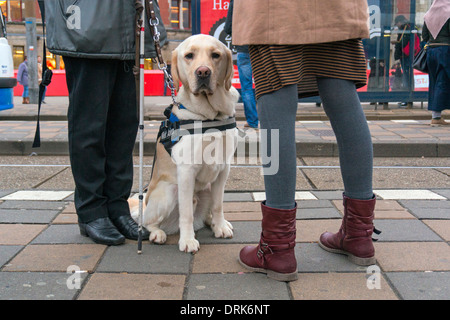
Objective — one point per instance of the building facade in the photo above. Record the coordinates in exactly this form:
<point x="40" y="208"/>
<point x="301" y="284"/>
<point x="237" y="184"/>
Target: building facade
<point x="185" y="17"/>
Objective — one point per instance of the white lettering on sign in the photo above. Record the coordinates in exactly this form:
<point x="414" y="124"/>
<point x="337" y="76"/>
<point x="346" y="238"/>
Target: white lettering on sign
<point x="220" y="5"/>
<point x="421" y="81"/>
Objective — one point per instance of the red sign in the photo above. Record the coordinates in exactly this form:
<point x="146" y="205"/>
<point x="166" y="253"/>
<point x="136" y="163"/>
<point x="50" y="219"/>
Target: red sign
<point x="213" y="16"/>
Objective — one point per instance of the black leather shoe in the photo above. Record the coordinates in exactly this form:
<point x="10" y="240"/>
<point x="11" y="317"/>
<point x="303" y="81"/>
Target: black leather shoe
<point x="102" y="231"/>
<point x="129" y="228"/>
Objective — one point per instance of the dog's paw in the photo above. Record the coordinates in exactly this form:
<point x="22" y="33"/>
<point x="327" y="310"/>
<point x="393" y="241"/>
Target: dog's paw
<point x="189" y="245"/>
<point x="223" y="229"/>
<point x="158" y="236"/>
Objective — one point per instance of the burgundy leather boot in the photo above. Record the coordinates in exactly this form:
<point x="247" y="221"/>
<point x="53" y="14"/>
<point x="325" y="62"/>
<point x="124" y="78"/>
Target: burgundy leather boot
<point x="354" y="238"/>
<point x="275" y="253"/>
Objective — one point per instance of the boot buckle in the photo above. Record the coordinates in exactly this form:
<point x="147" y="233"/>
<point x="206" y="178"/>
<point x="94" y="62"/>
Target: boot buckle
<point x="263" y="249"/>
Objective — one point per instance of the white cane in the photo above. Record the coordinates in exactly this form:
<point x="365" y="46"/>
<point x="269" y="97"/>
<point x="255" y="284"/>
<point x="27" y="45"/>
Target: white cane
<point x="141" y="125"/>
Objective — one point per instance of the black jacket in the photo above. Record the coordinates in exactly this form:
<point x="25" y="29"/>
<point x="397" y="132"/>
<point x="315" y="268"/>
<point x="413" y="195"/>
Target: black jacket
<point x="96" y="29"/>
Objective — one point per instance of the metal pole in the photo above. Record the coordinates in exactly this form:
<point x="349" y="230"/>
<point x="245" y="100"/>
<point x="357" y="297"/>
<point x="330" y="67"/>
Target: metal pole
<point x="31" y="51"/>
<point x="141" y="125"/>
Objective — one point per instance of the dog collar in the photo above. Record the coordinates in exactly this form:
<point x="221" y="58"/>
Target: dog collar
<point x="173" y="129"/>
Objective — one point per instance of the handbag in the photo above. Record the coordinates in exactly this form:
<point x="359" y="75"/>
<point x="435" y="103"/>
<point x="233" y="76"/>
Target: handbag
<point x="420" y="60"/>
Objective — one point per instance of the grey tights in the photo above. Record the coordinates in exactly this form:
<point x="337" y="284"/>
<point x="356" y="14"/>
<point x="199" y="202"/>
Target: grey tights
<point x="341" y="103"/>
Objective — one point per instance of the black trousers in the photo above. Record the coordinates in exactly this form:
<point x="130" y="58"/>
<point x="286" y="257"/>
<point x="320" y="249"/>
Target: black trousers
<point x="102" y="128"/>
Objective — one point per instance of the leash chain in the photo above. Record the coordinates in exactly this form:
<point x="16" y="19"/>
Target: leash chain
<point x="162" y="65"/>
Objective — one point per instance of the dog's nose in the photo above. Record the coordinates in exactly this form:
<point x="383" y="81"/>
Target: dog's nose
<point x="203" y="72"/>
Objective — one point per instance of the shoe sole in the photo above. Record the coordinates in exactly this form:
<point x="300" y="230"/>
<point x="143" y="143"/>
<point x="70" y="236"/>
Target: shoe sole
<point x="356" y="260"/>
<point x="112" y="243"/>
<point x="286" y="277"/>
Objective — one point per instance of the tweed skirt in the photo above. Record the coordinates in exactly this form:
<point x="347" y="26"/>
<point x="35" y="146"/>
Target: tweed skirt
<point x="277" y="66"/>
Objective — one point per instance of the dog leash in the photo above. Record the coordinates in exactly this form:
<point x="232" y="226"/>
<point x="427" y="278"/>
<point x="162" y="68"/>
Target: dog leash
<point x="162" y="65"/>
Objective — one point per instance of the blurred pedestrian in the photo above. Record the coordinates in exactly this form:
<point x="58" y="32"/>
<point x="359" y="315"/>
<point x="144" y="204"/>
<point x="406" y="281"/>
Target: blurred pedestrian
<point x="402" y="53"/>
<point x="302" y="49"/>
<point x="22" y="78"/>
<point x="97" y="41"/>
<point x="245" y="76"/>
<point x="436" y="31"/>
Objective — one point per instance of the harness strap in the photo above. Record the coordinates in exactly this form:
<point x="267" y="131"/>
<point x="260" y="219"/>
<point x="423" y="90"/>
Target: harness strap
<point x="172" y="129"/>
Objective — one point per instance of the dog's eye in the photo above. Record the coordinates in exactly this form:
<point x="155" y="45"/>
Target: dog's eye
<point x="215" y="55"/>
<point x="189" y="56"/>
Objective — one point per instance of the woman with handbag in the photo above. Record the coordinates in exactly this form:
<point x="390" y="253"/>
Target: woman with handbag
<point x="402" y="53"/>
<point x="436" y="31"/>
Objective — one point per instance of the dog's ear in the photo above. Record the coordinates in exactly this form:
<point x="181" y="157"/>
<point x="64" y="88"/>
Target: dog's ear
<point x="230" y="70"/>
<point x="174" y="70"/>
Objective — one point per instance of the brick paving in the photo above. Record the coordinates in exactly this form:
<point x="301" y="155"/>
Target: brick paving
<point x="42" y="240"/>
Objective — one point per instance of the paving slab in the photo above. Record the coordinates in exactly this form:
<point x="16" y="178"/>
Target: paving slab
<point x="318" y="213"/>
<point x="384" y="209"/>
<point x="421" y="285"/>
<point x="428" y="209"/>
<point x="413" y="256"/>
<point x="339" y="286"/>
<point x="125" y="286"/>
<point x="153" y="259"/>
<point x="443" y="192"/>
<point x="327" y="195"/>
<point x="36" y="205"/>
<point x="7" y="252"/>
<point x="404" y="230"/>
<point x="19" y="234"/>
<point x="237" y="196"/>
<point x="405" y="194"/>
<point x="5" y="193"/>
<point x="206" y="260"/>
<point x="243" y="232"/>
<point x="310" y="230"/>
<point x="66" y="218"/>
<point x="36" y="286"/>
<point x="440" y="227"/>
<point x="312" y="258"/>
<point x="243" y="216"/>
<point x="61" y="234"/>
<point x="56" y="258"/>
<point x="313" y="204"/>
<point x="26" y="216"/>
<point x="25" y="195"/>
<point x="236" y="286"/>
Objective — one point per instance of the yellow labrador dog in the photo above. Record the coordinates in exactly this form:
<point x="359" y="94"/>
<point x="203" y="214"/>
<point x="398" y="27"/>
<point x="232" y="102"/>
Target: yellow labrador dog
<point x="187" y="186"/>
